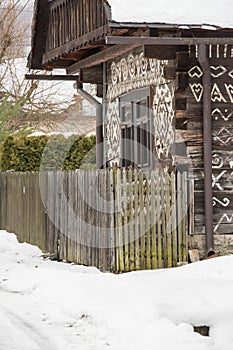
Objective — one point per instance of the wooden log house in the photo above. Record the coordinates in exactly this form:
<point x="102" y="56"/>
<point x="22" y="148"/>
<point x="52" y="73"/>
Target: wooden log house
<point x="165" y="87"/>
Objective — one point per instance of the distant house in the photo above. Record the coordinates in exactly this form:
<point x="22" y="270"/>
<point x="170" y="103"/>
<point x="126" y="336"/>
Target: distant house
<point x="167" y="90"/>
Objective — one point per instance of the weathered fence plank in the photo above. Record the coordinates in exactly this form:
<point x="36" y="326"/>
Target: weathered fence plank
<point x="117" y="220"/>
<point x="153" y="221"/>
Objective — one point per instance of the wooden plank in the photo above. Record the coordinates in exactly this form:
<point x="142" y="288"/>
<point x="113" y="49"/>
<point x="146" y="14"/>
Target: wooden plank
<point x="179" y="216"/>
<point x="57" y="213"/>
<point x="25" y="199"/>
<point x="93" y="75"/>
<point x="154" y="219"/>
<point x="39" y="31"/>
<point x="98" y="213"/>
<point x="173" y="219"/>
<point x="185" y="215"/>
<point x="127" y="216"/>
<point x="137" y="215"/>
<point x="142" y="221"/>
<point x="2" y="187"/>
<point x="83" y="226"/>
<point x="85" y="231"/>
<point x="70" y="218"/>
<point x="159" y="235"/>
<point x="41" y="220"/>
<point x="119" y="243"/>
<point x="63" y="219"/>
<point x="168" y="220"/>
<point x="102" y="221"/>
<point x="131" y="222"/>
<point x="160" y="52"/>
<point x="147" y="191"/>
<point x="32" y="209"/>
<point x="92" y="223"/>
<point x="51" y="239"/>
<point x="163" y="219"/>
<point x="77" y="223"/>
<point x="78" y="214"/>
<point x="42" y="180"/>
<point x="68" y="51"/>
<point x="112" y="221"/>
<point x="162" y="40"/>
<point x="100" y="57"/>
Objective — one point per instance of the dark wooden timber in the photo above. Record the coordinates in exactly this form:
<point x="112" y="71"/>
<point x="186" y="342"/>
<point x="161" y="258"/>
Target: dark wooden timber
<point x="51" y="77"/>
<point x="39" y="31"/>
<point x="160" y="52"/>
<point x="93" y="75"/>
<point x="70" y="20"/>
<point x="110" y="40"/>
<point x="76" y="44"/>
<point x="207" y="144"/>
<point x="99" y="123"/>
<point x="100" y="57"/>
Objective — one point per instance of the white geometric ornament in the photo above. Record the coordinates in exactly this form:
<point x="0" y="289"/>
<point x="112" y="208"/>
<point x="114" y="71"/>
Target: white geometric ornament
<point x="224" y="219"/>
<point x="218" y="71"/>
<point x="216" y="95"/>
<point x="224" y="136"/>
<point x="197" y="90"/>
<point x="224" y="203"/>
<point x="217" y="113"/>
<point x="231" y="74"/>
<point x="229" y="88"/>
<point x="216" y="178"/>
<point x="195" y="72"/>
<point x="217" y="161"/>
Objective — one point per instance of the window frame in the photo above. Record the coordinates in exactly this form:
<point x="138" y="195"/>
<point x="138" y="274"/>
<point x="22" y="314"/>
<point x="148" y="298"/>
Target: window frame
<point x="137" y="130"/>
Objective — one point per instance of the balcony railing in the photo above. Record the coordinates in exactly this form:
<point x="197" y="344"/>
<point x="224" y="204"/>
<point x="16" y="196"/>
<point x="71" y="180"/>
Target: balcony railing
<point x="72" y="19"/>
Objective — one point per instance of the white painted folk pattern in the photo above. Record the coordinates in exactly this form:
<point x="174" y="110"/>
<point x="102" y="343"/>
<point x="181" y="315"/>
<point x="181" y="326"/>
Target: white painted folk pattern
<point x="129" y="74"/>
<point x="222" y="136"/>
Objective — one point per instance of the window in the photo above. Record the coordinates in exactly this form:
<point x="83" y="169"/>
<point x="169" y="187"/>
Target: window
<point x="136" y="129"/>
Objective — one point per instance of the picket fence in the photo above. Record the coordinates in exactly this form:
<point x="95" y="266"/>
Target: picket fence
<point x="117" y="220"/>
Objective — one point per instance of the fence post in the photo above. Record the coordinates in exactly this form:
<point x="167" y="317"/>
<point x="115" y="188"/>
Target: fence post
<point x="168" y="231"/>
<point x="153" y="218"/>
<point x="119" y="239"/>
<point x="173" y="219"/>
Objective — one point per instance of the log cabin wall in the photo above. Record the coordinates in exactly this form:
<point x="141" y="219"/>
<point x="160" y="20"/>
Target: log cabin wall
<point x="220" y="58"/>
<point x="127" y="74"/>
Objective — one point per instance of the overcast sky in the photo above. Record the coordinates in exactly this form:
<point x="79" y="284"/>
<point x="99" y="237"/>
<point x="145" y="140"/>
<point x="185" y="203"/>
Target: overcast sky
<point x="170" y="11"/>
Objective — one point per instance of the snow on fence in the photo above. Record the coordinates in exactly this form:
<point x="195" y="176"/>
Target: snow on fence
<point x="116" y="220"/>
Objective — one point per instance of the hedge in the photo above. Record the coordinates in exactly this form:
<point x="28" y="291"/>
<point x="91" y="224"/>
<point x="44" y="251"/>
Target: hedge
<point x="47" y="153"/>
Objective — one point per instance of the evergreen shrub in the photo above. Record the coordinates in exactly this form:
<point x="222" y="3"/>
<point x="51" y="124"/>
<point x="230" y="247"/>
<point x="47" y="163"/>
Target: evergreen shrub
<point x="54" y="152"/>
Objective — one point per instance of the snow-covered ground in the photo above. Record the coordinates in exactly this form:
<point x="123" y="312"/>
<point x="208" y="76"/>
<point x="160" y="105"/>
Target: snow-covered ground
<point x="57" y="306"/>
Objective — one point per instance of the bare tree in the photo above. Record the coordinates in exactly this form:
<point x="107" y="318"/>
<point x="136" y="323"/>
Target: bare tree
<point x="22" y="103"/>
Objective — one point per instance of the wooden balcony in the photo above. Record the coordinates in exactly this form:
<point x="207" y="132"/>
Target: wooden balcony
<point x="64" y="31"/>
<point x="71" y="19"/>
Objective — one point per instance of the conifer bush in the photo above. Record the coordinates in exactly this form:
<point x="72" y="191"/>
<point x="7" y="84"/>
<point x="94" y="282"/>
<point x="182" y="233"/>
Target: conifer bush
<point x="54" y="152"/>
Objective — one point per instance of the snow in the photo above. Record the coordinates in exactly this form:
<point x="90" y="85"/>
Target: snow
<point x="57" y="306"/>
<point x="179" y="12"/>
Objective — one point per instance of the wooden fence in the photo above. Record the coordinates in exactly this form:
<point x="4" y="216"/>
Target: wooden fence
<point x="116" y="220"/>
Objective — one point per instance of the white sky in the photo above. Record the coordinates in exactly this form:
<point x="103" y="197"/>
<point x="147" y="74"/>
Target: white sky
<point x="174" y="11"/>
<point x="56" y="306"/>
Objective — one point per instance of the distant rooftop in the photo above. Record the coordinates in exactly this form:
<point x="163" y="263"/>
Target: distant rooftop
<point x="207" y="13"/>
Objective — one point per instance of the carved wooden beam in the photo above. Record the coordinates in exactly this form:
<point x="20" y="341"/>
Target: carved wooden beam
<point x="93" y="75"/>
<point x="100" y="57"/>
<point x="142" y="40"/>
<point x="51" y="77"/>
